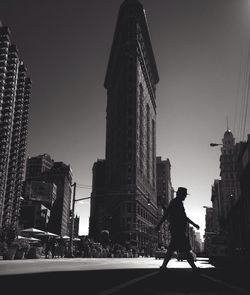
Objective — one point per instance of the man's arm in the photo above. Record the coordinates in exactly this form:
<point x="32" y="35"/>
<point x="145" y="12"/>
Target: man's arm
<point x="191" y="222"/>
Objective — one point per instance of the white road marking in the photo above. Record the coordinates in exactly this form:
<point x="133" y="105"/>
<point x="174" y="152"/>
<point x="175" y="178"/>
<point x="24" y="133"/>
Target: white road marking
<point x="124" y="285"/>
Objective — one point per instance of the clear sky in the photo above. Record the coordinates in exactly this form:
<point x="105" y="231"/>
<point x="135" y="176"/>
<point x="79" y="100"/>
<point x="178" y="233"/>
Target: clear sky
<point x="201" y="49"/>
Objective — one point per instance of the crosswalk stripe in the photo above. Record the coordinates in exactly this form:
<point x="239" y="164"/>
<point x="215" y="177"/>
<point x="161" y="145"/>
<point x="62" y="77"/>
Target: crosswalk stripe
<point x="124" y="285"/>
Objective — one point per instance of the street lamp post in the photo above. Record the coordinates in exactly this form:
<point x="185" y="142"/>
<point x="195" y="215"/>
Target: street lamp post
<point x="73" y="219"/>
<point x="72" y="222"/>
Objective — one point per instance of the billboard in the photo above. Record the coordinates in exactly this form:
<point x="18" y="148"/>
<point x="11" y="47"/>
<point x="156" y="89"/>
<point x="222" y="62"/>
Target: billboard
<point x="41" y="191"/>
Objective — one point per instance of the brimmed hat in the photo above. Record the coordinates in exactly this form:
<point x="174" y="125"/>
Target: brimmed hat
<point x="182" y="190"/>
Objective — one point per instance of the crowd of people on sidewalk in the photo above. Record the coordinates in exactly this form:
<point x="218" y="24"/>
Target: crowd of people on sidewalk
<point x="86" y="247"/>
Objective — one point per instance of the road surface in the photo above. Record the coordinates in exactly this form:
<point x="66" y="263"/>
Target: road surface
<point x="104" y="276"/>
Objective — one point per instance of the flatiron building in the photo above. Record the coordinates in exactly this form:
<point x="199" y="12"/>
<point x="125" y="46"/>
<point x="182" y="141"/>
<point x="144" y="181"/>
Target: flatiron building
<point x="126" y="202"/>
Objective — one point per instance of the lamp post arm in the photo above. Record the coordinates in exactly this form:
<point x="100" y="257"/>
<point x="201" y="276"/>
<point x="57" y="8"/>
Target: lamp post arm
<point x="215" y="144"/>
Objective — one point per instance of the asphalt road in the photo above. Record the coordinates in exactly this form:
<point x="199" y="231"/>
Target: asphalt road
<point x="104" y="276"/>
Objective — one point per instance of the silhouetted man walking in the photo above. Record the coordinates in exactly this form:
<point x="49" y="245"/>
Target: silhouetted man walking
<point x="176" y="215"/>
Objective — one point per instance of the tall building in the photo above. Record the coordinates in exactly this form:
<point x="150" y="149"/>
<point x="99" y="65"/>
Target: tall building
<point x="35" y="188"/>
<point x="209" y="231"/>
<point x="61" y="175"/>
<point x="230" y="186"/>
<point x="164" y="183"/>
<point x="54" y="178"/>
<point x="239" y="215"/>
<point x="216" y="200"/>
<point x="165" y="194"/>
<point x="198" y="247"/>
<point x="36" y="166"/>
<point x="15" y="90"/>
<point x="34" y="214"/>
<point x="130" y="159"/>
<point x="76" y="225"/>
<point x="97" y="221"/>
<point x="225" y="194"/>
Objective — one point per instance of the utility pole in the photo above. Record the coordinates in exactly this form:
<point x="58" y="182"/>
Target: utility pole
<point x="72" y="222"/>
<point x="71" y="254"/>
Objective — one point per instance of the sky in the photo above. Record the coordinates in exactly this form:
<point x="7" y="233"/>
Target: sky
<point x="201" y="52"/>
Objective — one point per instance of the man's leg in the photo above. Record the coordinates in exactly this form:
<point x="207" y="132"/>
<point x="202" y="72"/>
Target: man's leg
<point x="190" y="260"/>
<point x="167" y="258"/>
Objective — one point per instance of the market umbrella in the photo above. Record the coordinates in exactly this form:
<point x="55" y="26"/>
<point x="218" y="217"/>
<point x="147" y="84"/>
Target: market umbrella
<point x="47" y="234"/>
<point x="63" y="237"/>
<point x="33" y="239"/>
<point x="32" y="230"/>
<point x="76" y="239"/>
<point x="21" y="238"/>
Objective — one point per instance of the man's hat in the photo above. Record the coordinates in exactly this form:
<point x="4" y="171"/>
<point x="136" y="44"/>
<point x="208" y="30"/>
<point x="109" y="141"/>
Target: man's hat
<point x="182" y="190"/>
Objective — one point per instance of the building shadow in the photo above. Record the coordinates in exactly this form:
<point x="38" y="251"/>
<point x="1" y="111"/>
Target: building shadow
<point x="95" y="281"/>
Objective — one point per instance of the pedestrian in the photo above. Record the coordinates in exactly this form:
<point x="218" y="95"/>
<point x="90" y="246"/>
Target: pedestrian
<point x="178" y="220"/>
<point x="61" y="246"/>
<point x="53" y="247"/>
<point x="47" y="248"/>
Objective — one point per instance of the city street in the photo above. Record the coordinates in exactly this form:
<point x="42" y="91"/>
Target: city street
<point x="124" y="132"/>
<point x="103" y="276"/>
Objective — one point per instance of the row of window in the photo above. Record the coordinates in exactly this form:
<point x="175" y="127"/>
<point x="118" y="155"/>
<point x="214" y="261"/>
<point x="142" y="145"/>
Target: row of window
<point x="132" y="208"/>
<point x="131" y="224"/>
